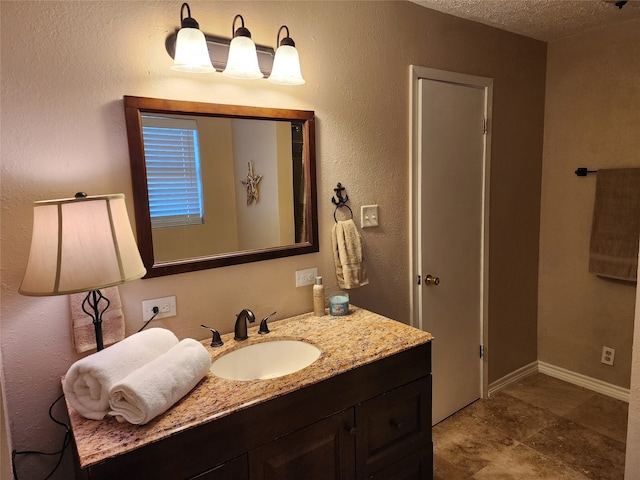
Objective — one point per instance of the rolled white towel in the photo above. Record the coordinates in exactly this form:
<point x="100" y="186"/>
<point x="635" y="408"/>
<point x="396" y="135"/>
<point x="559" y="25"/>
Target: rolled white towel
<point x="89" y="380"/>
<point x="153" y="388"/>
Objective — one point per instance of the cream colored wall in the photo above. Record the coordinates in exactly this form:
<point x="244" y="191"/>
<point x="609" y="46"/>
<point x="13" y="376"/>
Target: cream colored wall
<point x="591" y="120"/>
<point x="632" y="462"/>
<point x="284" y="155"/>
<point x="256" y="143"/>
<point x="65" y="67"/>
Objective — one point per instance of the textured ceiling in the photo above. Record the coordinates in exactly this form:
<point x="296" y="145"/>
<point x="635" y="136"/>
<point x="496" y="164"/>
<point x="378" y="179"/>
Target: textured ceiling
<point x="546" y="20"/>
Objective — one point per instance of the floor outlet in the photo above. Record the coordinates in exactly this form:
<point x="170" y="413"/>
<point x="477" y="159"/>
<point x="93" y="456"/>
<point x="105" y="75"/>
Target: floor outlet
<point x="306" y="277"/>
<point x="608" y="354"/>
<point x="166" y="307"/>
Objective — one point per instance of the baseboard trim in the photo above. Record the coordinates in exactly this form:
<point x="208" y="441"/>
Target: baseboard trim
<point x="512" y="377"/>
<point x="589" y="383"/>
<point x="585" y="381"/>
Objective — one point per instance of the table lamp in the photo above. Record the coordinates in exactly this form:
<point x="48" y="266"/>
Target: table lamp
<point x="82" y="244"/>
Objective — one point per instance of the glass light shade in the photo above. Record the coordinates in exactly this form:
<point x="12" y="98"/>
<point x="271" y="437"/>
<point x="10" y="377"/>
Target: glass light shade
<point x="286" y="67"/>
<point x="81" y="244"/>
<point x="243" y="59"/>
<point x="192" y="54"/>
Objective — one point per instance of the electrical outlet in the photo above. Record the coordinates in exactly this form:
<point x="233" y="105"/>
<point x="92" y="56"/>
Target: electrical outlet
<point x="306" y="277"/>
<point x="608" y="355"/>
<point x="166" y="307"/>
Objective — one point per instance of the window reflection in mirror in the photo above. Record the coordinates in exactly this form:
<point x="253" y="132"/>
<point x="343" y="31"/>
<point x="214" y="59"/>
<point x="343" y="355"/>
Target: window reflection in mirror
<point x="191" y="172"/>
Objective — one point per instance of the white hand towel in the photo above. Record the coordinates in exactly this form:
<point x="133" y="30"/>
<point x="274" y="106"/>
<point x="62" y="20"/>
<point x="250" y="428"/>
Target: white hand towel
<point x="347" y="255"/>
<point x="153" y="388"/>
<point x="89" y="380"/>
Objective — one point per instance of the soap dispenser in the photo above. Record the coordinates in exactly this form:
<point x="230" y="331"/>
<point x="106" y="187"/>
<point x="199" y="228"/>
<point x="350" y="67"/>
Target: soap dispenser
<point x="318" y="298"/>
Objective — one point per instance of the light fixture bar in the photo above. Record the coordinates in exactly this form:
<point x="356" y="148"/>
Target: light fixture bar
<point x="219" y="52"/>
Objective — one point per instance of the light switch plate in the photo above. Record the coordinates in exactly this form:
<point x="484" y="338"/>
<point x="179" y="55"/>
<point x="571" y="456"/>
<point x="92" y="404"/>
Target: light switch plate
<point x="368" y="216"/>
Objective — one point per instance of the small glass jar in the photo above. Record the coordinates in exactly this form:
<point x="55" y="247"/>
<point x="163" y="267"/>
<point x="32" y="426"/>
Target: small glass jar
<point x="339" y="304"/>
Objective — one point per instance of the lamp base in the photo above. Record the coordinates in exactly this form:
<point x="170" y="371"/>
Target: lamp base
<point x="91" y="306"/>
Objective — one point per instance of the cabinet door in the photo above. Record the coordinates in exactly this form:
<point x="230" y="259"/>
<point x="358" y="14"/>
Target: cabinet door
<point x="322" y="451"/>
<point x="235" y="469"/>
<point x="392" y="426"/>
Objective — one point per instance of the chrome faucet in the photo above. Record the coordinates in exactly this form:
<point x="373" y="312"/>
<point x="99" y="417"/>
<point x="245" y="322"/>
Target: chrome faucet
<point x="241" y="324"/>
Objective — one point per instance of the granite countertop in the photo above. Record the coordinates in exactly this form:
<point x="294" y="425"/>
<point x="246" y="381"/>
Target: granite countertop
<point x="346" y="343"/>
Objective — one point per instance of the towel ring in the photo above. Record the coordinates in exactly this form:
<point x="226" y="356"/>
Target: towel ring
<point x="336" y="211"/>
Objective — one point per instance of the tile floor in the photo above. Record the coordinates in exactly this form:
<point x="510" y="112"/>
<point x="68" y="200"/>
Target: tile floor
<point x="537" y="428"/>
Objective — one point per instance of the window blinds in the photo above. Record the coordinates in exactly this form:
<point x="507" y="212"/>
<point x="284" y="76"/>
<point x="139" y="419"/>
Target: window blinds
<point x="173" y="171"/>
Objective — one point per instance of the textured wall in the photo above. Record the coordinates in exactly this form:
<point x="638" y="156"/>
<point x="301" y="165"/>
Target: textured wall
<point x="591" y="120"/>
<point x="65" y="67"/>
<point x="632" y="463"/>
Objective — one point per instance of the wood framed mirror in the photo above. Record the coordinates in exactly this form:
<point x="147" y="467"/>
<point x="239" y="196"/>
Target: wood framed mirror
<point x="217" y="185"/>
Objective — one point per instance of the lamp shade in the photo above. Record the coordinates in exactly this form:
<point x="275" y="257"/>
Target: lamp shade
<point x="81" y="244"/>
<point x="243" y="59"/>
<point x="192" y="54"/>
<point x="286" y="67"/>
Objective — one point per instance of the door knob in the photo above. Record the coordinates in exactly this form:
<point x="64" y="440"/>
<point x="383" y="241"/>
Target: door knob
<point x="430" y="280"/>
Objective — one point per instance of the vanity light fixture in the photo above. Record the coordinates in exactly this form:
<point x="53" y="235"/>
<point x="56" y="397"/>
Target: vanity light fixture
<point x="238" y="57"/>
<point x="286" y="64"/>
<point x="191" y="54"/>
<point x="82" y="244"/>
<point x="243" y="58"/>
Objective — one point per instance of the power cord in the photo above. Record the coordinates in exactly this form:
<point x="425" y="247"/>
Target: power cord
<point x="155" y="310"/>
<point x="65" y="444"/>
<point x="67" y="435"/>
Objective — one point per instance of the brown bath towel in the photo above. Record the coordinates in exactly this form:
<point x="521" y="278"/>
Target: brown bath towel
<point x="615" y="229"/>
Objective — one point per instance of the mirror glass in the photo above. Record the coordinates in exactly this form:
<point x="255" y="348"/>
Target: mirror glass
<point x="217" y="185"/>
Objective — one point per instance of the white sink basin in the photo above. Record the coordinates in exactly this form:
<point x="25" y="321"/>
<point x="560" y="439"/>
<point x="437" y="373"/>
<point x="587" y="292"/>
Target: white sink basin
<point x="265" y="360"/>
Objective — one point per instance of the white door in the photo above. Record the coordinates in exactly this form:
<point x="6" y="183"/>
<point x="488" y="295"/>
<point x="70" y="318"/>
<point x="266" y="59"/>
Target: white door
<point x="450" y="233"/>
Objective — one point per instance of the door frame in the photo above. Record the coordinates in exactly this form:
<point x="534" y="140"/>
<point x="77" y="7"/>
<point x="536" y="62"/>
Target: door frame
<point x="415" y="241"/>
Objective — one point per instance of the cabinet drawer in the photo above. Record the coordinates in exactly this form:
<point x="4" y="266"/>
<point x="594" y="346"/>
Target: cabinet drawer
<point x="392" y="426"/>
<point x="417" y="466"/>
<point x="237" y="469"/>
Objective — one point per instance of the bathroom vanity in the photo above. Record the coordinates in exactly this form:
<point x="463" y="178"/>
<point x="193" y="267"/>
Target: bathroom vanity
<point x="361" y="410"/>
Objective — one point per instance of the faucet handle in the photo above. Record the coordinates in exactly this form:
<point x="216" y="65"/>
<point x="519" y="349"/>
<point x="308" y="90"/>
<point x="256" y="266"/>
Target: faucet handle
<point x="264" y="328"/>
<point x="216" y="341"/>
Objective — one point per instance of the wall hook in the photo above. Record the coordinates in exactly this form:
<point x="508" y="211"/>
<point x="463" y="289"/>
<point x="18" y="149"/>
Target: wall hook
<point x="341" y="201"/>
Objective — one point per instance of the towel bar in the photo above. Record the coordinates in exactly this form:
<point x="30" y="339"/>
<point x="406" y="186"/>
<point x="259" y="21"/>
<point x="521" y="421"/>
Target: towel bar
<point x="583" y="171"/>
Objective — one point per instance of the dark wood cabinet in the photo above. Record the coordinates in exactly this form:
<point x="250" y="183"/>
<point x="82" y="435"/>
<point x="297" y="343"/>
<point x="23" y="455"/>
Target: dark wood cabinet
<point x="416" y="466"/>
<point x="393" y="425"/>
<point x="373" y="421"/>
<point x="236" y="469"/>
<point x="322" y="451"/>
